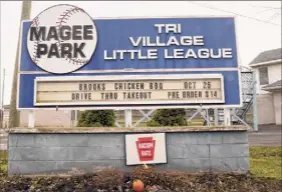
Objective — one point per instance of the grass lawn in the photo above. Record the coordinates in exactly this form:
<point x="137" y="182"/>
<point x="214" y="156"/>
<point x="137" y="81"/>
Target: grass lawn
<point x="3" y="161"/>
<point x="264" y="161"/>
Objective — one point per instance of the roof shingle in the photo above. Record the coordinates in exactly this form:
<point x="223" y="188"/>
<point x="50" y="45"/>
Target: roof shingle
<point x="267" y="56"/>
<point x="277" y="84"/>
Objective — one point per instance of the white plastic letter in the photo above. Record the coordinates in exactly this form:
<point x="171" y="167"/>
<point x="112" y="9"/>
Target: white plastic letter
<point x="227" y="53"/>
<point x="136" y="42"/>
<point x="198" y="40"/>
<point x="159" y="27"/>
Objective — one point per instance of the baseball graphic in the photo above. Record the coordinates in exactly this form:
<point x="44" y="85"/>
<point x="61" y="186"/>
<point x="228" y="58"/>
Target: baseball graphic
<point x="62" y="39"/>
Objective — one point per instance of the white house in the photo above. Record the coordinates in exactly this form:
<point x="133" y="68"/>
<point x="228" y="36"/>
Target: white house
<point x="267" y="67"/>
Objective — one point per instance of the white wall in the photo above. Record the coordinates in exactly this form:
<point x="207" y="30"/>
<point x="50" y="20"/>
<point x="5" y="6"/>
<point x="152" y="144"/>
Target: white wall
<point x="265" y="108"/>
<point x="47" y="118"/>
<point x="274" y="74"/>
<point x="269" y="108"/>
<point x="277" y="107"/>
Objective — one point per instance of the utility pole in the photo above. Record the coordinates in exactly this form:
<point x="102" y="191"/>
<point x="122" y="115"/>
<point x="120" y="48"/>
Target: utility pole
<point x="14" y="115"/>
<point x="2" y="101"/>
<point x="1" y="96"/>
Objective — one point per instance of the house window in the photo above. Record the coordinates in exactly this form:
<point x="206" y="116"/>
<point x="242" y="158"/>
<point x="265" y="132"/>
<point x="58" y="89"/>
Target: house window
<point x="263" y="76"/>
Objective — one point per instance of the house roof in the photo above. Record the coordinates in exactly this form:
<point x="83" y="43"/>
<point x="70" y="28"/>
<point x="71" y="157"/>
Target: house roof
<point x="273" y="86"/>
<point x="267" y="56"/>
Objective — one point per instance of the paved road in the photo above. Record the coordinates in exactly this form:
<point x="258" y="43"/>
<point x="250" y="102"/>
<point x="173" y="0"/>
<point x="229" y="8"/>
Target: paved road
<point x="265" y="139"/>
<point x="266" y="136"/>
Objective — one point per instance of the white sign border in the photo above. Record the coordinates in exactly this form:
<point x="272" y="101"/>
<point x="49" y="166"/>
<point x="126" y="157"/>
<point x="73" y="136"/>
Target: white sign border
<point x="129" y="78"/>
<point x="155" y="133"/>
<point x="237" y="69"/>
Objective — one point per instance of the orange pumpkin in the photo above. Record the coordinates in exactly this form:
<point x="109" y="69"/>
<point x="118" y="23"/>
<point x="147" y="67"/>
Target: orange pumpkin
<point x="138" y="185"/>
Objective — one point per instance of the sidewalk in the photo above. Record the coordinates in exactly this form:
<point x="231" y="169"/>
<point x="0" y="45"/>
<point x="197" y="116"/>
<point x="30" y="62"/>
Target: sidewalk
<point x="268" y="135"/>
<point x="270" y="128"/>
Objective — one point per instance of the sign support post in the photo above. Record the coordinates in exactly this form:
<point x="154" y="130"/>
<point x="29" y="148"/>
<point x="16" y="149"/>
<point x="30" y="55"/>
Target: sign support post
<point x="145" y="116"/>
<point x="227" y="117"/>
<point x="255" y="112"/>
<point x="128" y="118"/>
<point x="216" y="117"/>
<point x="31" y="119"/>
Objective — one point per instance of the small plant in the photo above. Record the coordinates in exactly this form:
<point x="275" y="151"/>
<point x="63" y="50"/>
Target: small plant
<point x="168" y="117"/>
<point x="108" y="178"/>
<point x="96" y="118"/>
<point x="146" y="174"/>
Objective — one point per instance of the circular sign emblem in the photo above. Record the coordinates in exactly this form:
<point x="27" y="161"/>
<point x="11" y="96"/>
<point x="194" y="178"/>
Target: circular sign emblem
<point x="62" y="39"/>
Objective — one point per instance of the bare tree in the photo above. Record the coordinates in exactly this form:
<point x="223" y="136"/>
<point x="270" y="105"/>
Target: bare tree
<point x="14" y="116"/>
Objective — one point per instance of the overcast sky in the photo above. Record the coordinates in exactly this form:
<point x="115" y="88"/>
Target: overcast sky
<point x="253" y="36"/>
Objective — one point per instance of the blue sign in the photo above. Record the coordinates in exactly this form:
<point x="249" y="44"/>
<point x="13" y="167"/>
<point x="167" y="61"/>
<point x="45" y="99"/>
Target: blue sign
<point x="149" y="46"/>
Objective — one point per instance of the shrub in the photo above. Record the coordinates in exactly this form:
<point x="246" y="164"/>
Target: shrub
<point x="148" y="175"/>
<point x="114" y="180"/>
<point x="95" y="118"/>
<point x="174" y="179"/>
<point x="108" y="178"/>
<point x="169" y="117"/>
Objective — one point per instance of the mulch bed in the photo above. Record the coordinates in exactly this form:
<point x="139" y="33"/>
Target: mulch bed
<point x="112" y="180"/>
